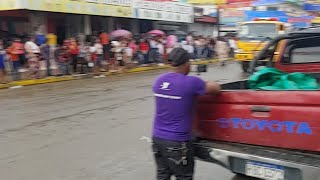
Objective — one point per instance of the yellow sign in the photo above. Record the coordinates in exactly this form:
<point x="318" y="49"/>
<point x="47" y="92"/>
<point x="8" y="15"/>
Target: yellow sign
<point x="9" y="4"/>
<point x="90" y="7"/>
<point x="209" y="2"/>
<point x="316" y="20"/>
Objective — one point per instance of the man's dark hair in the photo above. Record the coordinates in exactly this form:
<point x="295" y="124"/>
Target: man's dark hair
<point x="178" y="57"/>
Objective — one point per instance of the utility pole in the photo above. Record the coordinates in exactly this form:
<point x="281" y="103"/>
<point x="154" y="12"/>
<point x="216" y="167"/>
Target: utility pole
<point x="218" y="20"/>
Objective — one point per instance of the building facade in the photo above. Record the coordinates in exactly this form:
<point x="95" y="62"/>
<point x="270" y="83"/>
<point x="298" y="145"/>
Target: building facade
<point x="69" y="18"/>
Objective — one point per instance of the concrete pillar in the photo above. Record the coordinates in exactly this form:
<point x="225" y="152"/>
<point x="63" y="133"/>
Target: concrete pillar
<point x="38" y="22"/>
<point x="105" y="24"/>
<point x="87" y="25"/>
<point x="155" y="25"/>
<point x="135" y="28"/>
<point x="111" y="24"/>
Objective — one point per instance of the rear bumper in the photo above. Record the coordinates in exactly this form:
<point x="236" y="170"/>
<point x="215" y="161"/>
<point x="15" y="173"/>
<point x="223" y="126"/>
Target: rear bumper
<point x="243" y="57"/>
<point x="298" y="166"/>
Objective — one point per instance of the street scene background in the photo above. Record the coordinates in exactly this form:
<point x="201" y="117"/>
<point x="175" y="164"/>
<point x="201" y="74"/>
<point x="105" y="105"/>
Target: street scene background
<point x="89" y="129"/>
<point x="76" y="76"/>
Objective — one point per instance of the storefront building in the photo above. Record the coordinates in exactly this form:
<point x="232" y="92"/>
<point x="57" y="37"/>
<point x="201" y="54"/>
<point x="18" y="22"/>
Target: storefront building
<point x="205" y="21"/>
<point x="69" y="18"/>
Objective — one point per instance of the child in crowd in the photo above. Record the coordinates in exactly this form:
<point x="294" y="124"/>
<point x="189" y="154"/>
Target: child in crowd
<point x="34" y="65"/>
<point x="62" y="57"/>
<point x="144" y="49"/>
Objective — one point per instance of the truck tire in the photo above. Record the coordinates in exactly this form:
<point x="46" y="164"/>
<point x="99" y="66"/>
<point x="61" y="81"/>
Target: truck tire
<point x="245" y="66"/>
<point x="239" y="176"/>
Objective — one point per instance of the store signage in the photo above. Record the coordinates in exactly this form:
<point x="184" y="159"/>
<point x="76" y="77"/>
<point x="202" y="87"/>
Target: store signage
<point x="9" y="4"/>
<point x="238" y="1"/>
<point x="236" y="5"/>
<point x="232" y="13"/>
<point x="267" y="2"/>
<point x="294" y="20"/>
<point x="205" y="10"/>
<point x="311" y="7"/>
<point x="207" y="1"/>
<point x="117" y="8"/>
<point x="164" y="16"/>
<point x="168" y="6"/>
<point x="168" y="11"/>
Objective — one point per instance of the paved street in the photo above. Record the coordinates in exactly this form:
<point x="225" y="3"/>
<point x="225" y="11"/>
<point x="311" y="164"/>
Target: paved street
<point x="91" y="129"/>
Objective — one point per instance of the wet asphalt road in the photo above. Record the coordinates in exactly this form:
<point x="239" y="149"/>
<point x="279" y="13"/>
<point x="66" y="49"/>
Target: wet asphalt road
<point x="92" y="129"/>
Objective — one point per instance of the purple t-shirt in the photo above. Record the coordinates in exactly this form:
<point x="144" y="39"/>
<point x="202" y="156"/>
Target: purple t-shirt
<point x="175" y="94"/>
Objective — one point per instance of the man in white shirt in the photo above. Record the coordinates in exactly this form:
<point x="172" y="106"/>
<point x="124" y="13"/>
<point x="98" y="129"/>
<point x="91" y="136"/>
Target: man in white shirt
<point x="99" y="51"/>
<point x="31" y="47"/>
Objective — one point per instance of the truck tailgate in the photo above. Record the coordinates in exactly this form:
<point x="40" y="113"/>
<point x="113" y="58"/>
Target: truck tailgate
<point x="286" y="119"/>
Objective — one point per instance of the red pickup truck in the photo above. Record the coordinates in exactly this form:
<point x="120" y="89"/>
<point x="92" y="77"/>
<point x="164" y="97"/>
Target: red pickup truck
<point x="273" y="135"/>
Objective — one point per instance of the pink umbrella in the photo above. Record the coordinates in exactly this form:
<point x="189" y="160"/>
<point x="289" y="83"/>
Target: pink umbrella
<point x="120" y="33"/>
<point x="157" y="33"/>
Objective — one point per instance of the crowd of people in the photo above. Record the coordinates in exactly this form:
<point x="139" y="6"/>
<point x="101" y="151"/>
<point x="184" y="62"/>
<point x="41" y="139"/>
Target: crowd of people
<point x="41" y="56"/>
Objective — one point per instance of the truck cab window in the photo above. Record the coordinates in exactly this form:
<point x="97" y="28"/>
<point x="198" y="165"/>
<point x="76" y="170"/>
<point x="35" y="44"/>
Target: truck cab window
<point x="305" y="55"/>
<point x="306" y="50"/>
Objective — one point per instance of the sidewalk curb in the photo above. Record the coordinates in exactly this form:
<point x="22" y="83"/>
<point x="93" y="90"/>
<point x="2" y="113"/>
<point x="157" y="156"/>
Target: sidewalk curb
<point x="4" y="86"/>
<point x="69" y="78"/>
<point x="41" y="81"/>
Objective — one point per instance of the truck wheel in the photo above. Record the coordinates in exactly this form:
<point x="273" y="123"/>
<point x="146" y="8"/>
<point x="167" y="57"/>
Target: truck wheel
<point x="239" y="176"/>
<point x="245" y="66"/>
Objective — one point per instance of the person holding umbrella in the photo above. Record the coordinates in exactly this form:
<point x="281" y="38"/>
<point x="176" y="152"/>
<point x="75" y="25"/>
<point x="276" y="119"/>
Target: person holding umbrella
<point x="154" y="54"/>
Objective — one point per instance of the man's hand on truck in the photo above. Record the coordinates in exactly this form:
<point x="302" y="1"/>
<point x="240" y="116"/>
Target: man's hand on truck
<point x="212" y="87"/>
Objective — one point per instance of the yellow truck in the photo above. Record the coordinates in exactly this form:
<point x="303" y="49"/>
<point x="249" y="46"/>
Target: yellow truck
<point x="254" y="35"/>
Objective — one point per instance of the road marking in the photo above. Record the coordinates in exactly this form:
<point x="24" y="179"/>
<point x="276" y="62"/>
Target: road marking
<point x="15" y="87"/>
<point x="145" y="138"/>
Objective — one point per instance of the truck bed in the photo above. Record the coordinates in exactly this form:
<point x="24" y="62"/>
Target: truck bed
<point x="285" y="119"/>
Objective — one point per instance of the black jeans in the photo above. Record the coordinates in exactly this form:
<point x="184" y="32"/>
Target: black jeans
<point x="74" y="62"/>
<point x="173" y="159"/>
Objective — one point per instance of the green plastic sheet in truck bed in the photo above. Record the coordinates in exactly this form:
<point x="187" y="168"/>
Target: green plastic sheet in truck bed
<point x="273" y="79"/>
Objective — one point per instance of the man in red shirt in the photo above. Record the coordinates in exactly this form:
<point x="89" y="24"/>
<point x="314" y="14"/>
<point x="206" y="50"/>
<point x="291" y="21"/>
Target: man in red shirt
<point x="74" y="51"/>
<point x="14" y="58"/>
<point x="104" y="39"/>
<point x="144" y="49"/>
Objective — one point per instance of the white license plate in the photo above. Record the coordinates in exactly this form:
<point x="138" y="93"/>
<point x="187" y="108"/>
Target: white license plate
<point x="264" y="171"/>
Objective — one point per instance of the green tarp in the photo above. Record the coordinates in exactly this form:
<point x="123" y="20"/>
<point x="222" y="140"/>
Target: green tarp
<point x="273" y="79"/>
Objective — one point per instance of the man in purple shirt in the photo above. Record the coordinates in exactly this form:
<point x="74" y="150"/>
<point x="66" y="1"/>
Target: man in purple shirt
<point x="175" y="95"/>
